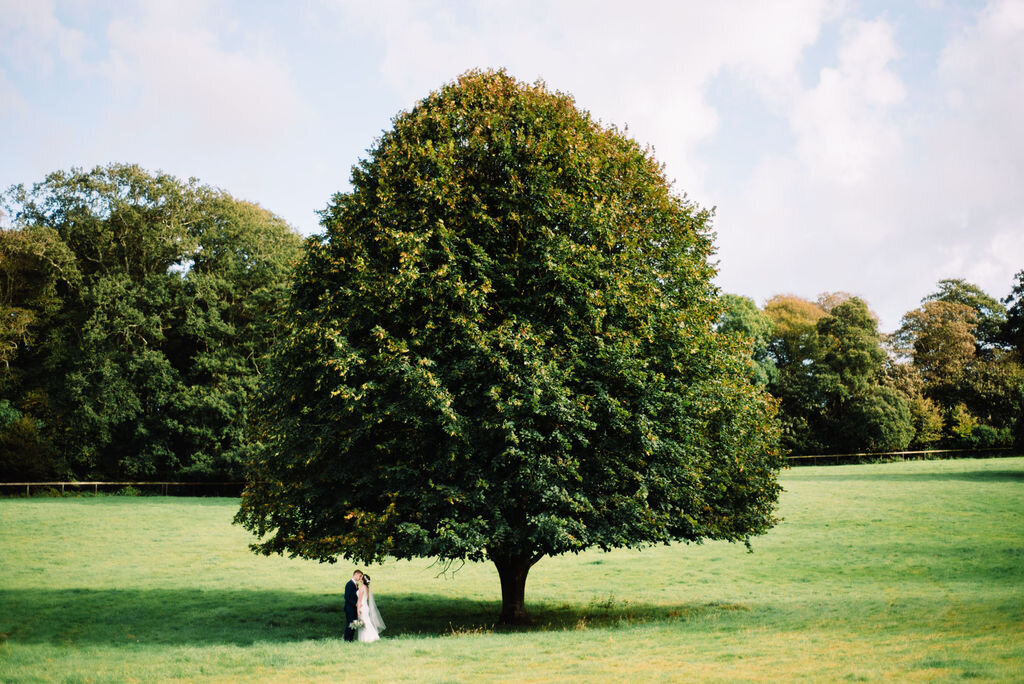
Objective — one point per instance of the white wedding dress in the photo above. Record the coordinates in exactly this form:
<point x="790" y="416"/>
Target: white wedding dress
<point x="372" y="622"/>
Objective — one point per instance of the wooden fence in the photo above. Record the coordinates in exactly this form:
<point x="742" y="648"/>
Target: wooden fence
<point x="815" y="459"/>
<point x="874" y="457"/>
<point x="164" y="487"/>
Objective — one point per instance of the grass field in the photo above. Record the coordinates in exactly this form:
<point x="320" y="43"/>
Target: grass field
<point x="900" y="572"/>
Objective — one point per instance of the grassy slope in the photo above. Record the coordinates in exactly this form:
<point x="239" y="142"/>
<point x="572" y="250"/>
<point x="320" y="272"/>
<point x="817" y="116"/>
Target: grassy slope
<point x="908" y="571"/>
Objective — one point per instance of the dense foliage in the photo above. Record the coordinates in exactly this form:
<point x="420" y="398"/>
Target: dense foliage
<point x="136" y="311"/>
<point x="952" y="375"/>
<point x="503" y="347"/>
<point x="1013" y="333"/>
<point x="740" y="317"/>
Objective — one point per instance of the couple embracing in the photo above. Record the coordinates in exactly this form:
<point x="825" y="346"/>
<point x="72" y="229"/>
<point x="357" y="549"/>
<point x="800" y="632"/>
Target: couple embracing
<point x="362" y="619"/>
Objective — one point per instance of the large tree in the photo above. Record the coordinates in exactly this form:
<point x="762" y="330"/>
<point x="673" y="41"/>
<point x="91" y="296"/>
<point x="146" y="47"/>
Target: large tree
<point x="502" y="347"/>
<point x="142" y="308"/>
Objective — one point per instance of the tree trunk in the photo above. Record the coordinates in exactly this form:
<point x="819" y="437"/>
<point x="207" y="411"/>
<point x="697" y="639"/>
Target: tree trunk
<point x="512" y="571"/>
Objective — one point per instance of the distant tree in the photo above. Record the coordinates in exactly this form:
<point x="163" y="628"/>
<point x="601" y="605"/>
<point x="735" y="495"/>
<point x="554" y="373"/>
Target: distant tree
<point x="831" y="377"/>
<point x="939" y="338"/>
<point x="977" y="386"/>
<point x="994" y="392"/>
<point x="851" y="347"/>
<point x="147" y="306"/>
<point x="926" y="416"/>
<point x="25" y="454"/>
<point x="927" y="419"/>
<point x="33" y="262"/>
<point x="990" y="316"/>
<point x="236" y="289"/>
<point x="830" y="300"/>
<point x="1013" y="330"/>
<point x="799" y="386"/>
<point x="741" y="317"/>
<point x="794" y="336"/>
<point x="1013" y="338"/>
<point x="881" y="419"/>
<point x="503" y="348"/>
<point x="37" y="273"/>
<point x="963" y="424"/>
<point x="862" y="413"/>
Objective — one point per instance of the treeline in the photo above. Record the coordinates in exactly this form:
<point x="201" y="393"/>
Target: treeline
<point x="951" y="376"/>
<point x="136" y="310"/>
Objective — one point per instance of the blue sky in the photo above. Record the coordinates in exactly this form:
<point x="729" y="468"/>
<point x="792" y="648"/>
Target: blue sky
<point x="868" y="147"/>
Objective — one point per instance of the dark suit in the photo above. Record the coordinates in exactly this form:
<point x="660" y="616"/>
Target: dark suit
<point x="351" y="612"/>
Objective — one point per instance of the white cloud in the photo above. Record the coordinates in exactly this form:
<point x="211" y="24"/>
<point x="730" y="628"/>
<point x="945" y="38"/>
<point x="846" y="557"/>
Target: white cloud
<point x="644" y="65"/>
<point x="842" y="124"/>
<point x="901" y="164"/>
<point x="889" y="189"/>
<point x="189" y="87"/>
<point x="31" y="34"/>
<point x="173" y="74"/>
<point x="12" y="104"/>
<point x="981" y="76"/>
<point x="808" y="220"/>
<point x="976" y="150"/>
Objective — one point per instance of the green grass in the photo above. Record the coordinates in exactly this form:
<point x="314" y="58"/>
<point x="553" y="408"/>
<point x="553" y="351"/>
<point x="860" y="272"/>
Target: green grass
<point x="901" y="572"/>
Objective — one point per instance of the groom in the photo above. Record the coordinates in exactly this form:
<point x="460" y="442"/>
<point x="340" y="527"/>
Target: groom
<point x="351" y="596"/>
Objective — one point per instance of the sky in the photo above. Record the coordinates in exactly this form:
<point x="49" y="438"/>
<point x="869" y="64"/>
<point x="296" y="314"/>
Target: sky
<point x="860" y="146"/>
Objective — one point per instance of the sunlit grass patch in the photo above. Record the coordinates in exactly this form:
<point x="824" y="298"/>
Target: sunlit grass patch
<point x="888" y="572"/>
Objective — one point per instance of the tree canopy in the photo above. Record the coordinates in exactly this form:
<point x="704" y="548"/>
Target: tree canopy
<point x="138" y="309"/>
<point x="832" y="380"/>
<point x="989" y="314"/>
<point x="503" y="347"/>
<point x="1013" y="333"/>
<point x="939" y="336"/>
<point x="951" y="376"/>
<point x="741" y="317"/>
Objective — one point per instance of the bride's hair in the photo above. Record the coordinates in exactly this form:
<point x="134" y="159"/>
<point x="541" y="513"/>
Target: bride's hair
<point x="366" y="579"/>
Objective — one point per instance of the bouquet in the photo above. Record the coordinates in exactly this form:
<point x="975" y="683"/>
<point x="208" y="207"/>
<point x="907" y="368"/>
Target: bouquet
<point x="356" y="624"/>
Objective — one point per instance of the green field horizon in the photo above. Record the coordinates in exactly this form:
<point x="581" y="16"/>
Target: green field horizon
<point x="902" y="571"/>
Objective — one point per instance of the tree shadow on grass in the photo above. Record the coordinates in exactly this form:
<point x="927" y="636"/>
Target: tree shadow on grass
<point x="993" y="476"/>
<point x="192" y="616"/>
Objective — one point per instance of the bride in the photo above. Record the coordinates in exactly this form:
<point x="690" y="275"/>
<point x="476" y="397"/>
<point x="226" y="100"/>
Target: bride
<point x="373" y="625"/>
